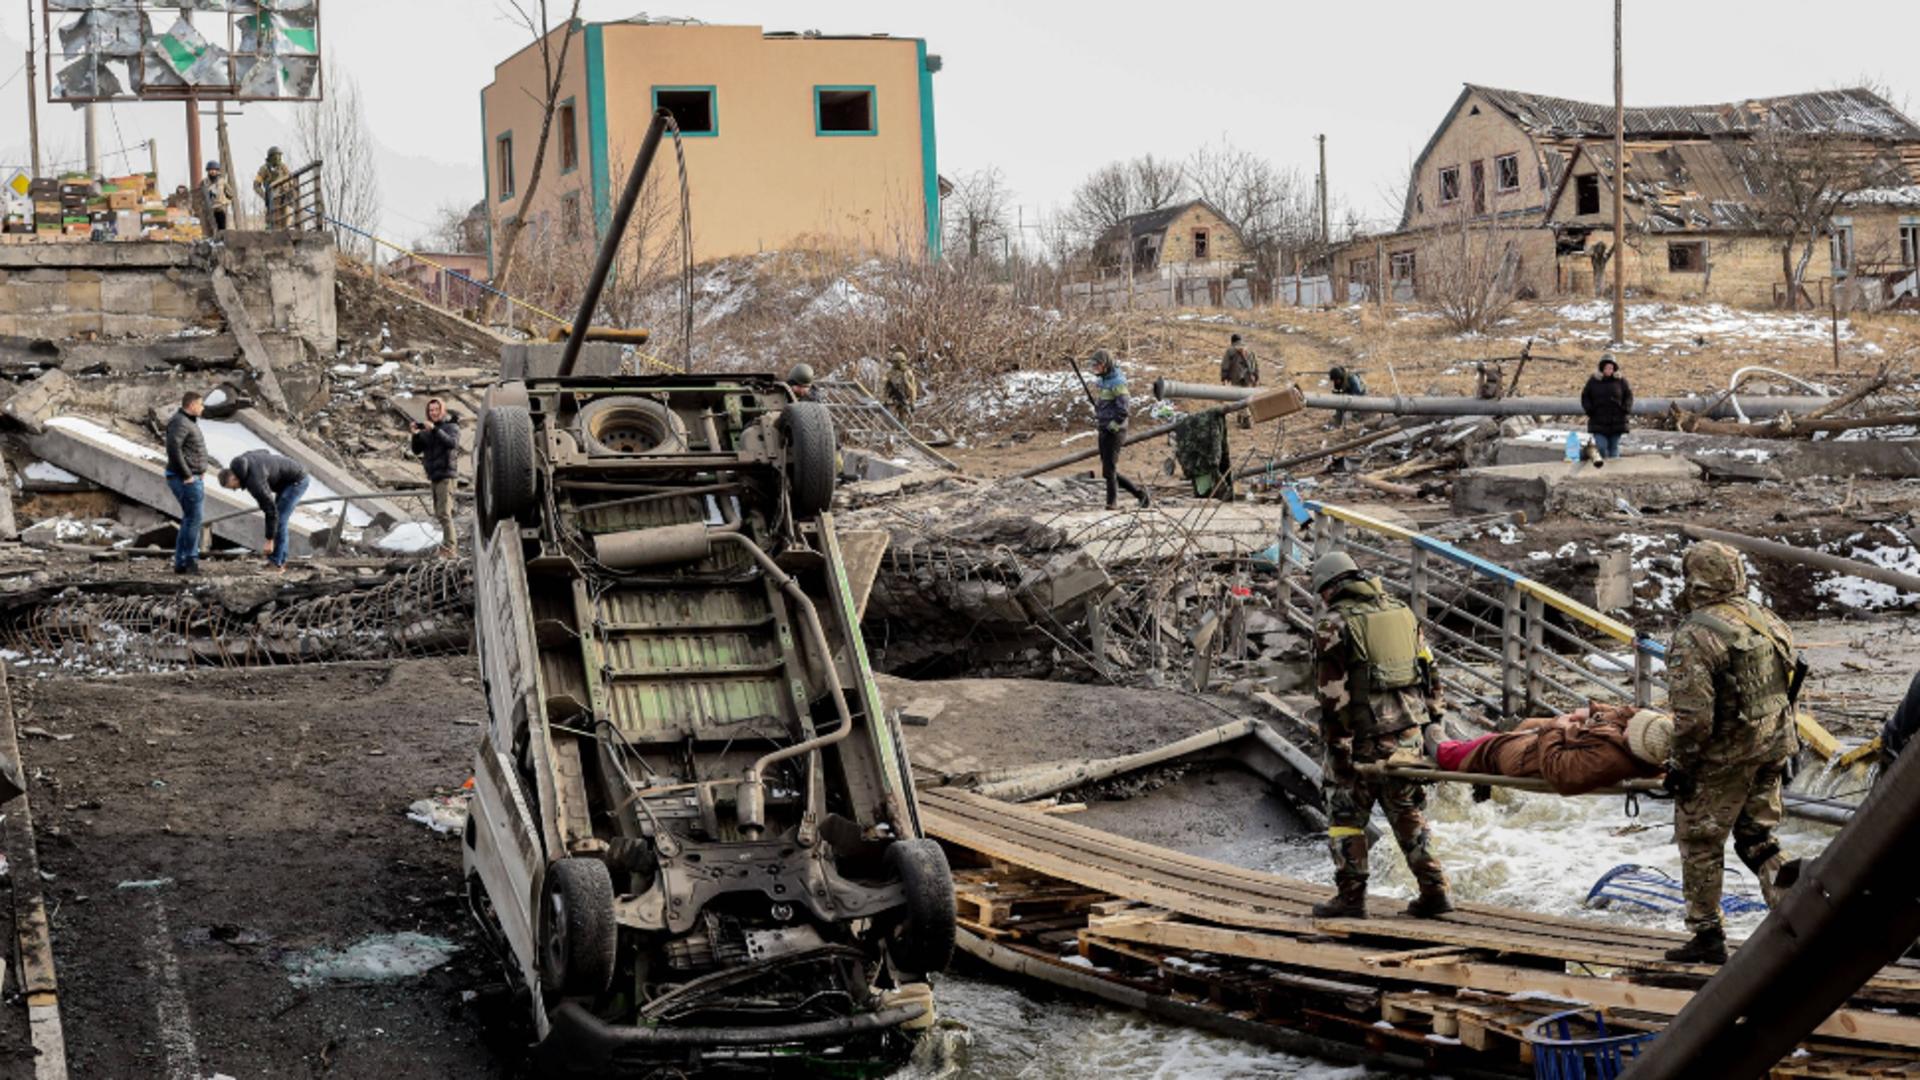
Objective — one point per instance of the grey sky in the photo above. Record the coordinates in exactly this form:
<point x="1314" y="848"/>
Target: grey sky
<point x="1049" y="89"/>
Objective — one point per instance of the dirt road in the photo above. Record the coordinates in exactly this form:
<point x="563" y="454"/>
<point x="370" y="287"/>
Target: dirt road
<point x="211" y="836"/>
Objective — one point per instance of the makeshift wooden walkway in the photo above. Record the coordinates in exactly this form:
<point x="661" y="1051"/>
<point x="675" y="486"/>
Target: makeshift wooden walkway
<point x="1243" y="945"/>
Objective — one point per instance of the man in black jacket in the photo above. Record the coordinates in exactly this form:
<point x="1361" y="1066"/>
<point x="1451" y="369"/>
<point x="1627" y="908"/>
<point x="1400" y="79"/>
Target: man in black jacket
<point x="186" y="461"/>
<point x="438" y="443"/>
<point x="276" y="483"/>
<point x="1608" y="402"/>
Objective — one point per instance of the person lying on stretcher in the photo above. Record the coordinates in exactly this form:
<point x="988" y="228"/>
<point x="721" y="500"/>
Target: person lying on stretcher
<point x="1582" y="751"/>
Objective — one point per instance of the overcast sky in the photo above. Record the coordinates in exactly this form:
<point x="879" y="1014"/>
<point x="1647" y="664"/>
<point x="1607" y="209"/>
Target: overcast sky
<point x="1047" y="90"/>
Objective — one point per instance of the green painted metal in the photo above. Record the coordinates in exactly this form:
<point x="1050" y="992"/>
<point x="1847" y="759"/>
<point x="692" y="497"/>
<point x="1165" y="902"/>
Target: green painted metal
<point x="873" y="111"/>
<point x="929" y="159"/>
<point x="601" y="178"/>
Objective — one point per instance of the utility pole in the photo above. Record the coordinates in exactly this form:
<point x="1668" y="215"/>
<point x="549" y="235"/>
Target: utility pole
<point x="1619" y="187"/>
<point x="33" y="106"/>
<point x="1326" y="232"/>
<point x="93" y="140"/>
<point x="193" y="140"/>
<point x="153" y="160"/>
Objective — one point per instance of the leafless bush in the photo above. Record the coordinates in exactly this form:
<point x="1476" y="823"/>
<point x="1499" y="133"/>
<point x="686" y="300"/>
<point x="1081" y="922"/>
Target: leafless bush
<point x="334" y="132"/>
<point x="1470" y="274"/>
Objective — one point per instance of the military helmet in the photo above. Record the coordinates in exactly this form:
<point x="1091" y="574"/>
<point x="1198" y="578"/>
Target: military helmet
<point x="801" y="375"/>
<point x="1330" y="568"/>
<point x="898" y="357"/>
<point x="1713" y="571"/>
<point x="273" y="151"/>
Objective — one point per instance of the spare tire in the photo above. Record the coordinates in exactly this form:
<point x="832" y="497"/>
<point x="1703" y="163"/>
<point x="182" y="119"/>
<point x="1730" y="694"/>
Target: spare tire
<point x="923" y="942"/>
<point x="631" y="425"/>
<point x="812" y="458"/>
<point x="577" y="928"/>
<point x="503" y="477"/>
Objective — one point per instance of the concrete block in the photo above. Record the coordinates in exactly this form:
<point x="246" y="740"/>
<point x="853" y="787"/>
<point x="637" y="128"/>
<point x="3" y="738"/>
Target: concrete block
<point x="127" y="294"/>
<point x="94" y="256"/>
<point x="1728" y="458"/>
<point x="1649" y="482"/>
<point x="1613" y="582"/>
<point x="922" y="711"/>
<point x="38" y="400"/>
<point x="1065" y="581"/>
<point x="541" y="361"/>
<point x="81" y="295"/>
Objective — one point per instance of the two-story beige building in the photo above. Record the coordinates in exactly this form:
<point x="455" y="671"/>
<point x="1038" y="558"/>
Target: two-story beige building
<point x="1536" y="173"/>
<point x="791" y="140"/>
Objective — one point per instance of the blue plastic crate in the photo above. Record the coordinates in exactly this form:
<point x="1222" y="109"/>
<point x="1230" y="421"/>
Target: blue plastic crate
<point x="1576" y="1045"/>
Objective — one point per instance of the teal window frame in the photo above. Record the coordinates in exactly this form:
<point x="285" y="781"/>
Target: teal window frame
<point x="713" y="107"/>
<point x="873" y="111"/>
<point x="575" y="132"/>
<point x="510" y="183"/>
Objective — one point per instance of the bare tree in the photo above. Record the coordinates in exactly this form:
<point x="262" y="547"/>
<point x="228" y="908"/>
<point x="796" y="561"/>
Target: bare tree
<point x="976" y="212"/>
<point x="1273" y="207"/>
<point x="456" y="228"/>
<point x="333" y="131"/>
<point x="1157" y="182"/>
<point x="1471" y="275"/>
<point x="1122" y="189"/>
<point x="532" y="15"/>
<point x="1801" y="180"/>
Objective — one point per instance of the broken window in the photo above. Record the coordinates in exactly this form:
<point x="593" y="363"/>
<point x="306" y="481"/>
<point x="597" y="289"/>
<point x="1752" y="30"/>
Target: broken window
<point x="569" y="137"/>
<point x="692" y="107"/>
<point x="1506" y="172"/>
<point x="1842" y="246"/>
<point x="844" y="110"/>
<point x="1910" y="245"/>
<point x="1450" y="184"/>
<point x="1400" y="266"/>
<point x="1200" y="245"/>
<point x="1686" y="256"/>
<point x="503" y="148"/>
<point x="1586" y="194"/>
<point x="1479" y="187"/>
<point x="570" y="215"/>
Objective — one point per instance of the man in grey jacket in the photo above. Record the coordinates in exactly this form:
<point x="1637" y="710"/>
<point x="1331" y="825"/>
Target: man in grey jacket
<point x="186" y="461"/>
<point x="276" y="483"/>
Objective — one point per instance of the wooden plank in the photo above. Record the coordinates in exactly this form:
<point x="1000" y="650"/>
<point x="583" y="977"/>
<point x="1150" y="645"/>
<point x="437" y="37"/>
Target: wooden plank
<point x="1441" y="953"/>
<point x="1855" y="1024"/>
<point x="31" y="932"/>
<point x="862" y="551"/>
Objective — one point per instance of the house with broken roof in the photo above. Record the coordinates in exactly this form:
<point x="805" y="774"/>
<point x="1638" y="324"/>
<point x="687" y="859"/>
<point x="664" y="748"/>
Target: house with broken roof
<point x="1534" y="174"/>
<point x="1189" y="239"/>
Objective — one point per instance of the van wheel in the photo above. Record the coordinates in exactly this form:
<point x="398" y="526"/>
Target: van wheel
<point x="923" y="943"/>
<point x="577" y="931"/>
<point x="504" y="477"/>
<point x="812" y="456"/>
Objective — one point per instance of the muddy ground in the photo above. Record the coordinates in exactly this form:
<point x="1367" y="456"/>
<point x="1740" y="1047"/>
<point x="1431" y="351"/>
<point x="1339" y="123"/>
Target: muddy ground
<point x="269" y="806"/>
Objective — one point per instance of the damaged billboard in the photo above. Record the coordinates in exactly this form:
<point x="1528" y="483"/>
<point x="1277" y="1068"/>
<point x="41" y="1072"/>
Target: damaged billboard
<point x="129" y="50"/>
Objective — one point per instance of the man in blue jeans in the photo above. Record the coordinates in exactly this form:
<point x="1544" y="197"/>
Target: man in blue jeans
<point x="186" y="461"/>
<point x="276" y="483"/>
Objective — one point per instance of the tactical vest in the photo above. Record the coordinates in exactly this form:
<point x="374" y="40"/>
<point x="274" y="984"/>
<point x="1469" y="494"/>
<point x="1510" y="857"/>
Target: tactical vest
<point x="1752" y="689"/>
<point x="1385" y="639"/>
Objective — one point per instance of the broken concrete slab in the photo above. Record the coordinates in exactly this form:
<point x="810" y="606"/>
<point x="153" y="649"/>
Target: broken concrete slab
<point x="6" y="503"/>
<point x="1064" y="584"/>
<point x="138" y="473"/>
<point x="35" y="402"/>
<point x="1650" y="482"/>
<point x="1728" y="458"/>
<point x="241" y="323"/>
<point x="922" y="711"/>
<point x="385" y="513"/>
<point x="541" y="361"/>
<point x="1223" y="530"/>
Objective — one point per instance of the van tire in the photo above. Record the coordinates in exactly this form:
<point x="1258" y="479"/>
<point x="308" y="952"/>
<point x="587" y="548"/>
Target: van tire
<point x="622" y="425"/>
<point x="577" y="931"/>
<point x="812" y="458"/>
<point x="923" y="942"/>
<point x="505" y="469"/>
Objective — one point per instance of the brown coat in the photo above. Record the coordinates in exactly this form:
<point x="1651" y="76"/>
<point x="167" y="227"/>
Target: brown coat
<point x="1574" y="753"/>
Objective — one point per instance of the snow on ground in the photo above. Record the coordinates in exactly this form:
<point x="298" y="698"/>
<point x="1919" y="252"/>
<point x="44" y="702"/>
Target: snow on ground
<point x="413" y="536"/>
<point x="1854" y="592"/>
<point x="48" y="472"/>
<point x="1657" y="328"/>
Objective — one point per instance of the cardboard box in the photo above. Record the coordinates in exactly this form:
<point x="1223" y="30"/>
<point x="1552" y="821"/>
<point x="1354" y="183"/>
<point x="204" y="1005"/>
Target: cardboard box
<point x="79" y="230"/>
<point x="43" y="189"/>
<point x="124" y="200"/>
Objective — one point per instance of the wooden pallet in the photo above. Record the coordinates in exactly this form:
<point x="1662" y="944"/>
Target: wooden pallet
<point x="997" y="904"/>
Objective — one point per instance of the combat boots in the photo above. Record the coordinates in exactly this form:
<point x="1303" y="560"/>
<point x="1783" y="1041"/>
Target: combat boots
<point x="1349" y="902"/>
<point x="1430" y="904"/>
<point x="1707" y="947"/>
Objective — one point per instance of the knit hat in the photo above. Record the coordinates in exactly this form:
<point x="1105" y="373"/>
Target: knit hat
<point x="1650" y="736"/>
<point x="1605" y="359"/>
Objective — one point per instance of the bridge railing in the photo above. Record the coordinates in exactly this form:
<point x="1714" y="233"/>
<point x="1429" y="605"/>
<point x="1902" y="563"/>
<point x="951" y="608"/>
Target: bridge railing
<point x="1513" y="645"/>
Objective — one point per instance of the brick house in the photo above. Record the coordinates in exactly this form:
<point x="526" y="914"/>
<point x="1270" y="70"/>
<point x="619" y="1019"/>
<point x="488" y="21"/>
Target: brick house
<point x="1190" y="239"/>
<point x="1537" y="172"/>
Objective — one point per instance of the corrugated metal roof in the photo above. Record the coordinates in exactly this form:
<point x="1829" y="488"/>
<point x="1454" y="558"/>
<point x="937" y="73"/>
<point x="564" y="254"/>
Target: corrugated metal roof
<point x="1856" y="112"/>
<point x="1695" y="186"/>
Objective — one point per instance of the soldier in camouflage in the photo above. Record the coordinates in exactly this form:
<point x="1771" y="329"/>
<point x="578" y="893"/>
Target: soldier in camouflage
<point x="1378" y="697"/>
<point x="1729" y="672"/>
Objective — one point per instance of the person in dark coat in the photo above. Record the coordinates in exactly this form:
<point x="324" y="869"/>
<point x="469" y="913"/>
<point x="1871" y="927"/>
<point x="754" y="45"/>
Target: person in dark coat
<point x="438" y="443"/>
<point x="1110" y="414"/>
<point x="1608" y="402"/>
<point x="186" y="461"/>
<point x="276" y="483"/>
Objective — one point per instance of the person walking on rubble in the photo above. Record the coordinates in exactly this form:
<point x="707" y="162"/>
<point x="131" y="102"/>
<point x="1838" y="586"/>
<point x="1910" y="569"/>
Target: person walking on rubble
<point x="437" y="442"/>
<point x="267" y="183"/>
<point x="1732" y="677"/>
<point x="1378" y="693"/>
<point x="1110" y="413"/>
<point x="1238" y="367"/>
<point x="1608" y="402"/>
<point x="186" y="462"/>
<point x="216" y="196"/>
<point x="1348" y="384"/>
<point x="276" y="483"/>
<point x="902" y="388"/>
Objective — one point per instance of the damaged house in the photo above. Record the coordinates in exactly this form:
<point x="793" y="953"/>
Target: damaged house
<point x="1703" y="191"/>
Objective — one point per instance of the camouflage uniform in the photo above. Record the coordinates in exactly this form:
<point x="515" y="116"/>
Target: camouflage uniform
<point x="901" y="388"/>
<point x="1733" y="730"/>
<point x="1362" y="724"/>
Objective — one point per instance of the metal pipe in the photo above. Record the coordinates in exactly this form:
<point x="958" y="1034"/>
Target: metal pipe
<point x="610" y="245"/>
<point x="1405" y="405"/>
<point x="1773" y="549"/>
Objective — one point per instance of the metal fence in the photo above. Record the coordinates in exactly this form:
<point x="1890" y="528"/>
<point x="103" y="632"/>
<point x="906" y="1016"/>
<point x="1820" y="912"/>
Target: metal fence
<point x="297" y="202"/>
<point x="860" y="420"/>
<point x="1515" y="646"/>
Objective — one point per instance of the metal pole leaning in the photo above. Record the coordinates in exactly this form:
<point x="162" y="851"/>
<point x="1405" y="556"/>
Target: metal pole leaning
<point x="610" y="244"/>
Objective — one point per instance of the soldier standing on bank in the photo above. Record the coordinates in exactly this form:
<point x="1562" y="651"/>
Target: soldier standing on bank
<point x="1239" y="368"/>
<point x="1731" y="683"/>
<point x="1378" y="692"/>
<point x="901" y="388"/>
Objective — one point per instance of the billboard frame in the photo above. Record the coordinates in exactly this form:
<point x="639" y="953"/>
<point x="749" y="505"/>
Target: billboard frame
<point x="209" y="92"/>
